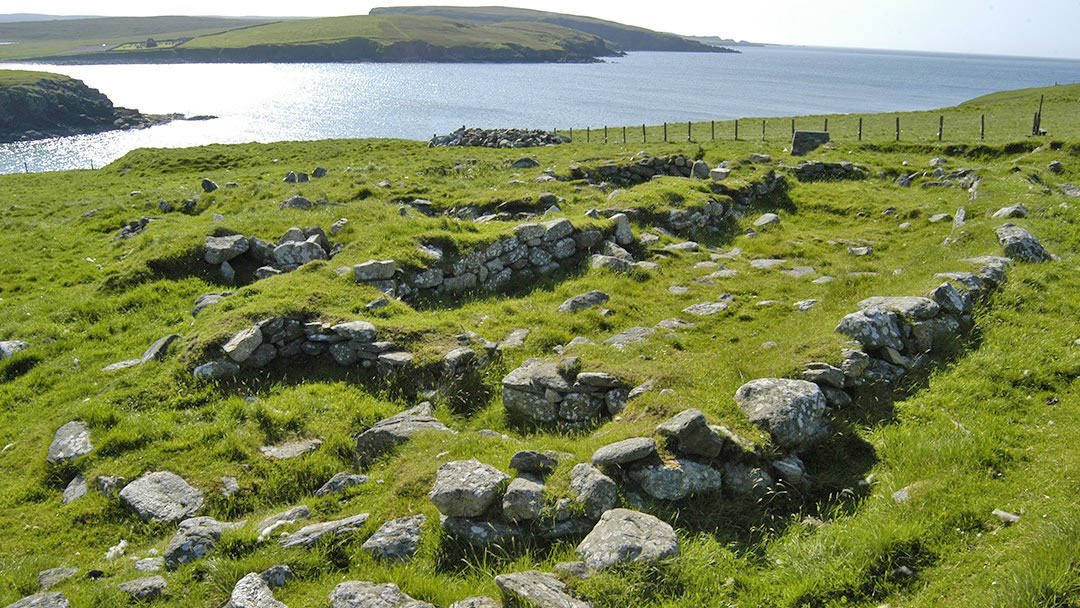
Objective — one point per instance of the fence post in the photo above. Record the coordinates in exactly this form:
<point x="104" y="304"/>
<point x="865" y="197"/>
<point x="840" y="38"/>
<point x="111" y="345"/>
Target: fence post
<point x="793" y="127"/>
<point x="763" y="130"/>
<point x="982" y="127"/>
<point x="689" y="134"/>
<point x="643" y="139"/>
<point x="665" y="132"/>
<point x="605" y="134"/>
<point x="571" y="133"/>
<point x="897" y="128"/>
<point x="736" y="129"/>
<point x="588" y="134"/>
<point x="826" y="125"/>
<point x="860" y="128"/>
<point x="712" y="129"/>
<point x="624" y="134"/>
<point x="940" y="126"/>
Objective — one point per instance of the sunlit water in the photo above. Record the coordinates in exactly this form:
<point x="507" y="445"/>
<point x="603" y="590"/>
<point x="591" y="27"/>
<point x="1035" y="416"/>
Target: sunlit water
<point x="275" y="102"/>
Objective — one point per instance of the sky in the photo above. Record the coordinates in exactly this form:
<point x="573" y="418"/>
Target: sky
<point x="1040" y="28"/>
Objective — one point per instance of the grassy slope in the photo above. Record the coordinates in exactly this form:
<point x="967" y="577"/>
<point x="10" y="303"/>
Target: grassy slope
<point x="996" y="427"/>
<point x="624" y="37"/>
<point x="37" y="39"/>
<point x="437" y="31"/>
<point x="23" y="78"/>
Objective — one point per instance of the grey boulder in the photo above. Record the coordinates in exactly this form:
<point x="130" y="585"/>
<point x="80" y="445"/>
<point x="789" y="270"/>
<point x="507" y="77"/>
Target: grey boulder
<point x="70" y="441"/>
<point x="539" y="589"/>
<point x="54" y="576"/>
<point x="362" y="594"/>
<point x="466" y="488"/>
<point x="524" y="498"/>
<point x="339" y="482"/>
<point x="624" y="452"/>
<point x="42" y="600"/>
<point x="309" y="535"/>
<point x="195" y="538"/>
<point x="144" y="589"/>
<point x="623" y="536"/>
<point x="390" y="432"/>
<point x="872" y="327"/>
<point x="677" y="479"/>
<point x="594" y="490"/>
<point x="583" y="301"/>
<point x="252" y="592"/>
<point x="162" y="496"/>
<point x="1020" y="244"/>
<point x="224" y="248"/>
<point x="793" y="412"/>
<point x="10" y="347"/>
<point x="691" y="434"/>
<point x="397" y="539"/>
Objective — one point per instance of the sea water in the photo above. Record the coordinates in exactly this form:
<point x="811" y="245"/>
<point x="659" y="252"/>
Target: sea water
<point x="276" y="102"/>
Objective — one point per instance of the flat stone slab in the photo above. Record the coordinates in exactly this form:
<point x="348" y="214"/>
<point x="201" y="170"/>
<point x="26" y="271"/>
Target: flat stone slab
<point x="390" y="432"/>
<point x="70" y="441"/>
<point x="54" y="576"/>
<point x="362" y="594"/>
<point x="309" y="535"/>
<point x="162" y="496"/>
<point x="339" y="482"/>
<point x="909" y="306"/>
<point x="144" y="589"/>
<point x="291" y="449"/>
<point x="625" y="451"/>
<point x="634" y="335"/>
<point x="799" y="272"/>
<point x="767" y="263"/>
<point x="623" y="536"/>
<point x="42" y="600"/>
<point x="583" y="301"/>
<point x="293" y="515"/>
<point x="705" y="309"/>
<point x="539" y="589"/>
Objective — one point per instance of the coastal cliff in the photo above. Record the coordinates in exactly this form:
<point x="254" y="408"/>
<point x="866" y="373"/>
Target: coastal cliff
<point x="39" y="105"/>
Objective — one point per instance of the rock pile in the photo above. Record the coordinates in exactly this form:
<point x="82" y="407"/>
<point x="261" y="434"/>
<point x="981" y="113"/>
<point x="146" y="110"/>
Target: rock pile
<point x="643" y="169"/>
<point x="350" y="343"/>
<point x="816" y="171"/>
<point x="498" y="138"/>
<point x="554" y="393"/>
<point x="294" y="249"/>
<point x="533" y="249"/>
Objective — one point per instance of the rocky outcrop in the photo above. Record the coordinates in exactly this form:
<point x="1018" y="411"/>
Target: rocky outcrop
<point x="498" y="138"/>
<point x="58" y="106"/>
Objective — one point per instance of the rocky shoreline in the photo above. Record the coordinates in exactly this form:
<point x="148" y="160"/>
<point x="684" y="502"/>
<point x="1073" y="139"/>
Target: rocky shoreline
<point x="62" y="107"/>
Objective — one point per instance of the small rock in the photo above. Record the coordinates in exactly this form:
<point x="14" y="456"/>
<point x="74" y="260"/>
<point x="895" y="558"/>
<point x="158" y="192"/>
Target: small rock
<point x="144" y="589"/>
<point x="466" y="488"/>
<point x="397" y="539"/>
<point x="339" y="482"/>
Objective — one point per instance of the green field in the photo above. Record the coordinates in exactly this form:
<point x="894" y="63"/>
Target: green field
<point x="991" y="423"/>
<point x="356" y="38"/>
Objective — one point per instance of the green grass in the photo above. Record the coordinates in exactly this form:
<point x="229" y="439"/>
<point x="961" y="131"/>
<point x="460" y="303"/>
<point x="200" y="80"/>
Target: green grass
<point x="993" y="426"/>
<point x="26" y="78"/>
<point x="126" y="38"/>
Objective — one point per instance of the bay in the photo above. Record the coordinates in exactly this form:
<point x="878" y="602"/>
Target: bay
<point x="277" y="102"/>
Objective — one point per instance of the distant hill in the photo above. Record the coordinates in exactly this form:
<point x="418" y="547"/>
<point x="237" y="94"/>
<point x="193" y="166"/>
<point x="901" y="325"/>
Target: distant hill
<point x="620" y="36"/>
<point x="725" y="42"/>
<point x="23" y="17"/>
<point x="383" y="38"/>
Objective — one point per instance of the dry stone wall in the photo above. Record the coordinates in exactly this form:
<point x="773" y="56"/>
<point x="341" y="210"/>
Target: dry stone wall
<point x="533" y="249"/>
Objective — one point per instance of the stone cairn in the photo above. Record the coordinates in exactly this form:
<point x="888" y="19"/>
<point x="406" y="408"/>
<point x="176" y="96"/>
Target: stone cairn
<point x="348" y="344"/>
<point x="498" y="138"/>
<point x="294" y="249"/>
<point x="533" y="249"/>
